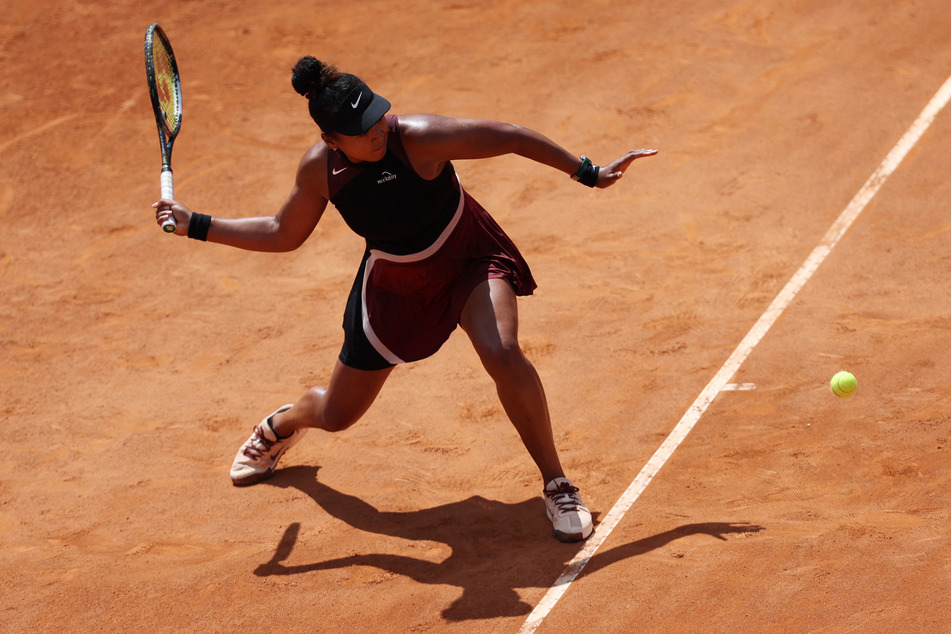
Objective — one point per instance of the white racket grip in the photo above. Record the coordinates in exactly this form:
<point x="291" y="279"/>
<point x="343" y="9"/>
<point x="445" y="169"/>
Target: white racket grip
<point x="168" y="193"/>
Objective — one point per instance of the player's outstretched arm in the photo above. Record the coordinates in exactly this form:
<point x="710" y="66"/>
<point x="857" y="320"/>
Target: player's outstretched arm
<point x="432" y="140"/>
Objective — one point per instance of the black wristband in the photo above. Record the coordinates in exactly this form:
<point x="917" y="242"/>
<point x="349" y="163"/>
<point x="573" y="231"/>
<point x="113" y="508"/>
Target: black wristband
<point x="590" y="176"/>
<point x="198" y="227"/>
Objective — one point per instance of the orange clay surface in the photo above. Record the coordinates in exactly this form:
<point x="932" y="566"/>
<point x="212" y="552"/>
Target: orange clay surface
<point x="133" y="364"/>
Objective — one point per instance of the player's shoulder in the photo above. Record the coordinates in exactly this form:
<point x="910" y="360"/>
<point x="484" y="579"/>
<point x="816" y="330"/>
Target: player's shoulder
<point x="317" y="153"/>
<point x="314" y="159"/>
<point x="312" y="169"/>
<point x="422" y="125"/>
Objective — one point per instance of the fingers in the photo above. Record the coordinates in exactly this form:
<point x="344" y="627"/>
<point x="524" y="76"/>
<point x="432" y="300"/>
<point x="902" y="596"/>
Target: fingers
<point x="642" y="153"/>
<point x="633" y="155"/>
<point x="615" y="170"/>
<point x="165" y="210"/>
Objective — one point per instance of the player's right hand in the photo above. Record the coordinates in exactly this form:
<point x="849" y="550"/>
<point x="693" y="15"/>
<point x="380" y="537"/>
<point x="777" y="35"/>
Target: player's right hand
<point x="166" y="208"/>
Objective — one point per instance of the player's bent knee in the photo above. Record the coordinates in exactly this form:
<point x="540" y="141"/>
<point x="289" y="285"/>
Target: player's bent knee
<point x="503" y="359"/>
<point x="334" y="421"/>
<point x="338" y="416"/>
<point x="319" y="412"/>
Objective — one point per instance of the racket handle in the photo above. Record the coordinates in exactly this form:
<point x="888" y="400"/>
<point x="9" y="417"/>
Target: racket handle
<point x="168" y="192"/>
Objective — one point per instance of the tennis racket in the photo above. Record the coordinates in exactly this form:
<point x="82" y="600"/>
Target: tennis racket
<point x="165" y="88"/>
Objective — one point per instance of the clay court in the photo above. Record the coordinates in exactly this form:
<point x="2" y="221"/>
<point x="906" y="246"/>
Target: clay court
<point x="134" y="364"/>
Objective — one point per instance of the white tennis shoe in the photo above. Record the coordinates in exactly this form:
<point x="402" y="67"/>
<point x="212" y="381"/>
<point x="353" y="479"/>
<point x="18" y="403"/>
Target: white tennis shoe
<point x="258" y="457"/>
<point x="570" y="518"/>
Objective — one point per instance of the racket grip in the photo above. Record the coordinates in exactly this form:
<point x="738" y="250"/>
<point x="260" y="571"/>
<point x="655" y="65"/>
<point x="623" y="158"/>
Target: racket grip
<point x="168" y="193"/>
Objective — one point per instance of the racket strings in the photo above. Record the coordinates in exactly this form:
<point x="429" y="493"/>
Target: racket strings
<point x="169" y="91"/>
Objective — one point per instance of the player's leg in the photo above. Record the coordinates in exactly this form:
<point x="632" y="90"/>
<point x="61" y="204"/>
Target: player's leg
<point x="490" y="318"/>
<point x="333" y="408"/>
<point x="336" y="407"/>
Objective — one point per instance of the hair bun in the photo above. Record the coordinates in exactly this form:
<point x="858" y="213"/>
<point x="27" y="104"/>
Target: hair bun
<point x="310" y="75"/>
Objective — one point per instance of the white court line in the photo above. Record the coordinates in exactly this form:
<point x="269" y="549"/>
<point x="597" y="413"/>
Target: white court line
<point x="738" y="387"/>
<point x="749" y="342"/>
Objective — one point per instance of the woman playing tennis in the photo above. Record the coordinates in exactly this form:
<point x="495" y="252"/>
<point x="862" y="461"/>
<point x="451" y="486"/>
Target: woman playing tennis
<point x="434" y="259"/>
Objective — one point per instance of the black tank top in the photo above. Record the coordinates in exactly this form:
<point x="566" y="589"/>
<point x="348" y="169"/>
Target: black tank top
<point x="387" y="202"/>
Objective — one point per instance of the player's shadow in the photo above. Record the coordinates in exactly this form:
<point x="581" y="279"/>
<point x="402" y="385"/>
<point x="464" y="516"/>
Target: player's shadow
<point x="495" y="547"/>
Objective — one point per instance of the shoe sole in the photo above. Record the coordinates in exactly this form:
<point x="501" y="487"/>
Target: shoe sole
<point x="254" y="478"/>
<point x="570" y="538"/>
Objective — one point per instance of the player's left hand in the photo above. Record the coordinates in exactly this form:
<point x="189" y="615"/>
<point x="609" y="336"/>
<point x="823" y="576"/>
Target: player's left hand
<point x="614" y="170"/>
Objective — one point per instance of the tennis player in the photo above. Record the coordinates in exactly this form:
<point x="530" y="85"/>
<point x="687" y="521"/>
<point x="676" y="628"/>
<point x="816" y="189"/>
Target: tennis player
<point x="434" y="259"/>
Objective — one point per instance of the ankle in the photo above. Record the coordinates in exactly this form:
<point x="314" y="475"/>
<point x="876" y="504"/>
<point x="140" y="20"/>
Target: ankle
<point x="279" y="431"/>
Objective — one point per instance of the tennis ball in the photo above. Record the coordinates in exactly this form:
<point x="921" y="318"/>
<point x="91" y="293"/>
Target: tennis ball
<point x="843" y="384"/>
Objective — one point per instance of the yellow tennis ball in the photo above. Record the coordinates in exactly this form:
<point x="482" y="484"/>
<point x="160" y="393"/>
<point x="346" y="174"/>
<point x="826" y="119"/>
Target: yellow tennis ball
<point x="843" y="384"/>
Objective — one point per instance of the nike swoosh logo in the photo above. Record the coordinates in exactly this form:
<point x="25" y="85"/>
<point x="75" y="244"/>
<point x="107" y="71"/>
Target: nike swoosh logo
<point x="338" y="171"/>
<point x="357" y="102"/>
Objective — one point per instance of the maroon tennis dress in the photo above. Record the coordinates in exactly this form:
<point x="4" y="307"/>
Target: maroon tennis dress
<point x="429" y="244"/>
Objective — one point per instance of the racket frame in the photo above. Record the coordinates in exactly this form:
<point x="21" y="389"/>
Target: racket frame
<point x="167" y="130"/>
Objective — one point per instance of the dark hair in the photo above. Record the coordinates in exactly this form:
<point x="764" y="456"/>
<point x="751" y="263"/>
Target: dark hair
<point x="325" y="87"/>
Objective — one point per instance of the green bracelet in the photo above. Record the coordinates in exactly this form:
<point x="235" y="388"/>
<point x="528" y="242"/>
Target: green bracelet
<point x="585" y="164"/>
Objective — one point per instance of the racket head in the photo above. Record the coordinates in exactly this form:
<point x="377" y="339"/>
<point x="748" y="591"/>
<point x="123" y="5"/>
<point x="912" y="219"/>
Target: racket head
<point x="165" y="87"/>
